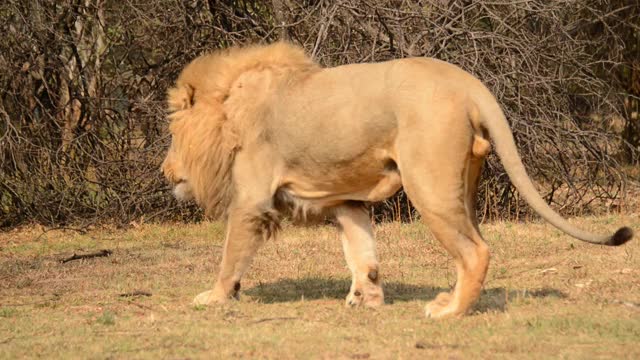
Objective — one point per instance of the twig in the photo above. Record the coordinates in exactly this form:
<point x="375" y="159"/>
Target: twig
<point x="274" y="319"/>
<point x="136" y="293"/>
<point x="101" y="253"/>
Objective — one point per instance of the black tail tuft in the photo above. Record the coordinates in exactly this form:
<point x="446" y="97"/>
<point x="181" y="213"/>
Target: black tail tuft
<point x="621" y="236"/>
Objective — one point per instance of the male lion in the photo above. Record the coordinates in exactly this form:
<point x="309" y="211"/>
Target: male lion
<point x="263" y="131"/>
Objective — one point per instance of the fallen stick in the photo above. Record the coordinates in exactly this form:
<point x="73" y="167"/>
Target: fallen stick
<point x="101" y="253"/>
<point x="136" y="293"/>
<point x="274" y="319"/>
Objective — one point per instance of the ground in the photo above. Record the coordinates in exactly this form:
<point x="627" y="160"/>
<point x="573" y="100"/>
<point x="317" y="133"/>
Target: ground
<point x="546" y="295"/>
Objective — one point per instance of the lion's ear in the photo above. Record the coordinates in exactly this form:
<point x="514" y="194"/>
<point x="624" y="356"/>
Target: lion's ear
<point x="180" y="97"/>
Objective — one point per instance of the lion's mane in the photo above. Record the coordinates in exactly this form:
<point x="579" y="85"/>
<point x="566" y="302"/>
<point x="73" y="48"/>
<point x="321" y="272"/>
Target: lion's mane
<point x="207" y="133"/>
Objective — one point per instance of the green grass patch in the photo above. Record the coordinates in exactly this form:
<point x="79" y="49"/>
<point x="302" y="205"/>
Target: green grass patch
<point x="7" y="312"/>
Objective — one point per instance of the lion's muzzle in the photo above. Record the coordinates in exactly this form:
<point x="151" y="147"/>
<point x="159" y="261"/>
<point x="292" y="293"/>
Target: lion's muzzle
<point x="182" y="190"/>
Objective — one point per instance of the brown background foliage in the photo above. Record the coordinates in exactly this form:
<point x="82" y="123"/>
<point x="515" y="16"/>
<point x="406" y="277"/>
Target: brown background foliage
<point x="82" y="86"/>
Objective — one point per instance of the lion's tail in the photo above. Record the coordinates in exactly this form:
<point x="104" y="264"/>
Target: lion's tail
<point x="489" y="115"/>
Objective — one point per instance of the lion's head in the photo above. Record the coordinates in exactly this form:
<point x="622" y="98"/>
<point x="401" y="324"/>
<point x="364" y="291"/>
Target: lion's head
<point x="203" y="144"/>
<point x="205" y="131"/>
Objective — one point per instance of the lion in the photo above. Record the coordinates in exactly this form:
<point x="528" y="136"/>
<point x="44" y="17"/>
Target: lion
<point x="261" y="132"/>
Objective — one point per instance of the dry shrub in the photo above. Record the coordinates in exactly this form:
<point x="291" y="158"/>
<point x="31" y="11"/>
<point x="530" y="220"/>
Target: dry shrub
<point x="83" y="127"/>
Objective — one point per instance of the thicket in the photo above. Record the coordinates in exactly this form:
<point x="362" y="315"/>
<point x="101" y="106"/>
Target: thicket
<point x="82" y="88"/>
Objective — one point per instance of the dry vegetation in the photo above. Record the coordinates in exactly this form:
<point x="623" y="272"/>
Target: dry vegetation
<point x="546" y="296"/>
<point x="82" y="87"/>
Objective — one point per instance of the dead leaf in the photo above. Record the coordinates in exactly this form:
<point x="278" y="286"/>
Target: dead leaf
<point x="549" y="271"/>
<point x="624" y="271"/>
<point x="583" y="285"/>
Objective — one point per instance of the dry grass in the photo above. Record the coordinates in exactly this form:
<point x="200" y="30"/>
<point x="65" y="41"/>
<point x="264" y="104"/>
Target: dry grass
<point x="546" y="295"/>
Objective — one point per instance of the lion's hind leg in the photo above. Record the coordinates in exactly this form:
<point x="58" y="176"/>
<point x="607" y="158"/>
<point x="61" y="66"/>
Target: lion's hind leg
<point x="471" y="255"/>
<point x="360" y="252"/>
<point x="448" y="207"/>
<point x="440" y="167"/>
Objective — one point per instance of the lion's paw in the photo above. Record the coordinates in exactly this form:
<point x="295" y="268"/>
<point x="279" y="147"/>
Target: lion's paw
<point x="373" y="297"/>
<point x="208" y="298"/>
<point x="440" y="306"/>
<point x="203" y="298"/>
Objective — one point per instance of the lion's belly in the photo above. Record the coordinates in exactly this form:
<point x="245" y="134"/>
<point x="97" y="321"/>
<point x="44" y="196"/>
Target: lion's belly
<point x="335" y="187"/>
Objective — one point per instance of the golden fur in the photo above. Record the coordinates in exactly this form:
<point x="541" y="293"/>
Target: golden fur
<point x="260" y="132"/>
<point x="198" y="118"/>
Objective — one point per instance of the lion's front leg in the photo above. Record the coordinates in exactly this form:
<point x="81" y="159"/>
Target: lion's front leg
<point x="246" y="232"/>
<point x="360" y="252"/>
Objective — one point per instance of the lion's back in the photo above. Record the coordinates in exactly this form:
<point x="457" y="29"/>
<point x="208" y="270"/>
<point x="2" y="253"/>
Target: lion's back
<point x="335" y="114"/>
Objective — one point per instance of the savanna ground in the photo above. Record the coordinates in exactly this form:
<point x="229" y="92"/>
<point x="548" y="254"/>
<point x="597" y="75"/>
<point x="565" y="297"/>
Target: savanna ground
<point x="546" y="295"/>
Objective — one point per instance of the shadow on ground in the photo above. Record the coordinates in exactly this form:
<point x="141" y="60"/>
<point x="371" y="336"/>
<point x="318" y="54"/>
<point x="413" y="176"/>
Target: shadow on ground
<point x="288" y="290"/>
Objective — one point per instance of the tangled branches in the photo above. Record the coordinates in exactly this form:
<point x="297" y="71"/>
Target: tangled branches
<point x="83" y="129"/>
